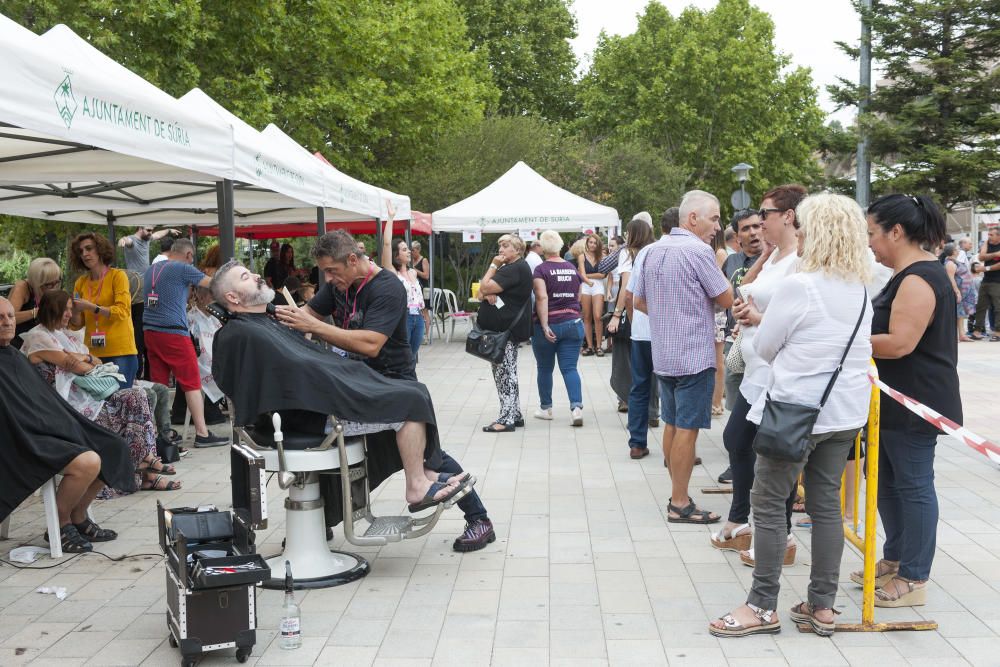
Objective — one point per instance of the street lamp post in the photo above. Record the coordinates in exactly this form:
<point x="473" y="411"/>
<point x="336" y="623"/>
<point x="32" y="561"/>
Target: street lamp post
<point x="740" y="199"/>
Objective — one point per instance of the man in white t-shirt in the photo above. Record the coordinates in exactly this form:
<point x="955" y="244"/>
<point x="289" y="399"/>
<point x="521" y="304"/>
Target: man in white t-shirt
<point x="534" y="255"/>
<point x="644" y="397"/>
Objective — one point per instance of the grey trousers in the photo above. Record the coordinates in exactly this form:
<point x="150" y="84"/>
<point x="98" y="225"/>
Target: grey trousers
<point x="621" y="376"/>
<point x="773" y="481"/>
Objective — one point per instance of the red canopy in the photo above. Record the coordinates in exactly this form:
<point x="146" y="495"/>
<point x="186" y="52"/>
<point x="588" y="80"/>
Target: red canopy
<point x="421" y="224"/>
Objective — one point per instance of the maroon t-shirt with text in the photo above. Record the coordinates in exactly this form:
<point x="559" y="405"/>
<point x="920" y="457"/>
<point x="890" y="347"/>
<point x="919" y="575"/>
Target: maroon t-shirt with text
<point x="562" y="285"/>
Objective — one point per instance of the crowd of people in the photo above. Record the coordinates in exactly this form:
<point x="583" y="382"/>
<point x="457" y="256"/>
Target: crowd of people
<point x="787" y="306"/>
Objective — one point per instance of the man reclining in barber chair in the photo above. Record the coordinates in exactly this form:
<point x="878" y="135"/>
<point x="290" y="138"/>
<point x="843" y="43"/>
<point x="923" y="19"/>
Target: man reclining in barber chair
<point x="368" y="307"/>
<point x="305" y="384"/>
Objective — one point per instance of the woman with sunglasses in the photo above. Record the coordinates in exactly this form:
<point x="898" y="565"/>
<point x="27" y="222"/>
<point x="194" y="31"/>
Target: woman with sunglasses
<point x="43" y="275"/>
<point x="780" y="226"/>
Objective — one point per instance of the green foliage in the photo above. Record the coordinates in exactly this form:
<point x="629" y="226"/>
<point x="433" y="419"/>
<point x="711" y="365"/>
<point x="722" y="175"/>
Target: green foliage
<point x="14" y="266"/>
<point x="934" y="124"/>
<point x="368" y="83"/>
<point x="708" y="90"/>
<point x="629" y="176"/>
<point x="526" y="43"/>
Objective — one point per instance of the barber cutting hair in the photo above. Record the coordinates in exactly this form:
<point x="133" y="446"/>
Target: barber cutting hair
<point x="368" y="308"/>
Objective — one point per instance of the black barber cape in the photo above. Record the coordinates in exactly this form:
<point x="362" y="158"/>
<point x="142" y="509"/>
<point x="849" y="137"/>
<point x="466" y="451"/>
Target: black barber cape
<point x="264" y="367"/>
<point x="40" y="434"/>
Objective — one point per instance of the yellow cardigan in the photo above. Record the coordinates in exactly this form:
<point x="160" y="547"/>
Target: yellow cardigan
<point x="114" y="295"/>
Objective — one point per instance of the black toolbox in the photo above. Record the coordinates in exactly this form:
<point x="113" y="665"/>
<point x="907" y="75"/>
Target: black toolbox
<point x="212" y="568"/>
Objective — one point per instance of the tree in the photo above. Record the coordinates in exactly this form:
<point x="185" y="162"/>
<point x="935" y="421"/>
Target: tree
<point x="369" y="84"/>
<point x="527" y="45"/>
<point x="628" y="176"/>
<point x="706" y="103"/>
<point x="934" y="124"/>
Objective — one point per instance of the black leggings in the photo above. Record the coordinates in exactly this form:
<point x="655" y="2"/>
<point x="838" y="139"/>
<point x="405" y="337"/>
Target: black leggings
<point x="738" y="439"/>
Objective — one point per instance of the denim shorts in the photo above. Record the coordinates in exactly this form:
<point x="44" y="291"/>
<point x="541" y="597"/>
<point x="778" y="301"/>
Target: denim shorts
<point x="686" y="400"/>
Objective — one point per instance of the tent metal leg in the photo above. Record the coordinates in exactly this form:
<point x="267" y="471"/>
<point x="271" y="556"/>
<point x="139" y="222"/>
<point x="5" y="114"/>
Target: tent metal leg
<point x="227" y="226"/>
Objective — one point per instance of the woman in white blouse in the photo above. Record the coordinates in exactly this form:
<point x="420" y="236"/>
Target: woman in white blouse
<point x="802" y="336"/>
<point x="780" y="257"/>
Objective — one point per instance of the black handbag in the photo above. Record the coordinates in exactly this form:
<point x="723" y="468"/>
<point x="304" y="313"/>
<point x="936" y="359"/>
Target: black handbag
<point x="624" y="325"/>
<point x="785" y="428"/>
<point x="490" y="345"/>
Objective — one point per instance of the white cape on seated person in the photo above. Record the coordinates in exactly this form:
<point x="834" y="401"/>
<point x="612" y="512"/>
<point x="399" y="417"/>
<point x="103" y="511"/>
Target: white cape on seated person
<point x="265" y="367"/>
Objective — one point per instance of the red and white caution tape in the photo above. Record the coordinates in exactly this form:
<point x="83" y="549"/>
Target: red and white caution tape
<point x="980" y="444"/>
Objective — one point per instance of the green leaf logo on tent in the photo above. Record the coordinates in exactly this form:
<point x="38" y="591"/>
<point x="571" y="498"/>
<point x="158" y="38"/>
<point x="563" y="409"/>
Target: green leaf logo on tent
<point x="65" y="101"/>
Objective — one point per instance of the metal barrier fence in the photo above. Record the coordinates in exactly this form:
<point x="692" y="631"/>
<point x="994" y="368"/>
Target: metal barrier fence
<point x="865" y="541"/>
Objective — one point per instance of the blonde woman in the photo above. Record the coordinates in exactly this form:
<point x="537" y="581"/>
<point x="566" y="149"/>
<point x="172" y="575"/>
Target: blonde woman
<point x="505" y="290"/>
<point x="43" y="275"/>
<point x="814" y="315"/>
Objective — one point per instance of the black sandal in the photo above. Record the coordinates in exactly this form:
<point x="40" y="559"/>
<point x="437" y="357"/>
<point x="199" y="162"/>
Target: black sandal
<point x="95" y="533"/>
<point x="504" y="428"/>
<point x="72" y="541"/>
<point x="690" y="514"/>
<point x="587" y="352"/>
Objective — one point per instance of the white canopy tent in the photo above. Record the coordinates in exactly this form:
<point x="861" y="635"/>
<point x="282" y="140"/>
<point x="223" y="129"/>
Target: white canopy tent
<point x="523" y="199"/>
<point x="78" y="130"/>
<point x="87" y="140"/>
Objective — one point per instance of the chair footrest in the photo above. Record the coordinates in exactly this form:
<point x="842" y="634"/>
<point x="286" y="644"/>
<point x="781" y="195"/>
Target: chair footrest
<point x="384" y="526"/>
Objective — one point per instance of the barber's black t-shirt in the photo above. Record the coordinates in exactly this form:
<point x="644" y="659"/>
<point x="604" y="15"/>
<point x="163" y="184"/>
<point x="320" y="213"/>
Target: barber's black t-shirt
<point x="380" y="306"/>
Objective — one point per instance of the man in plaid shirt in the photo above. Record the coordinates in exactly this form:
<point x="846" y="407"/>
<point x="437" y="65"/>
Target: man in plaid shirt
<point x="679" y="287"/>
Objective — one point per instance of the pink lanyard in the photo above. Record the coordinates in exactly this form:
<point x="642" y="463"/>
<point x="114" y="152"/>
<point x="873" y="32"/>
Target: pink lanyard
<point x="354" y="308"/>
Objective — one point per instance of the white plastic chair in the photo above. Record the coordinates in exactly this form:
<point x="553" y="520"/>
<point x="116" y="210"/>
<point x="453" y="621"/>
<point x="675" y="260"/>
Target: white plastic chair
<point x="454" y="314"/>
<point x="48" y="493"/>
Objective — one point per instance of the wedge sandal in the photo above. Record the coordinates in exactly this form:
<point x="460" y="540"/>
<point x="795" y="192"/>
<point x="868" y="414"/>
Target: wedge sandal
<point x="769" y="624"/>
<point x="805" y="614"/>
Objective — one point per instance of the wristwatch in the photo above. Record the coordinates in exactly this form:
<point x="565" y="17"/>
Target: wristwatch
<point x="497" y="266"/>
<point x="97" y="309"/>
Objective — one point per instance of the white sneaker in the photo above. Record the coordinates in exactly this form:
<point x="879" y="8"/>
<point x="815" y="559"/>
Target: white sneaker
<point x="577" y="416"/>
<point x="543" y="414"/>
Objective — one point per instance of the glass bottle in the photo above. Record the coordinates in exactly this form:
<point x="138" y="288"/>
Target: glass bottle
<point x="291" y="628"/>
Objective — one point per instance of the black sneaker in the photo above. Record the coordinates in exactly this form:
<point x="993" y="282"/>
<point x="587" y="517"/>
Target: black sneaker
<point x="210" y="440"/>
<point x="477" y="535"/>
<point x="727" y="476"/>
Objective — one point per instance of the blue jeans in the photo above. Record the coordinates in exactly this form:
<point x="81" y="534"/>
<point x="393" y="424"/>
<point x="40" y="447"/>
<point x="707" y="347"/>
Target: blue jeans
<point x="567" y="350"/>
<point x="907" y="502"/>
<point x="128" y="365"/>
<point x="471" y="505"/>
<point x="415" y="332"/>
<point x="644" y="392"/>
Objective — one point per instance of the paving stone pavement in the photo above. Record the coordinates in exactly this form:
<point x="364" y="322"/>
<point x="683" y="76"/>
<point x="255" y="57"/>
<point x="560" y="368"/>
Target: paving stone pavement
<point x="585" y="569"/>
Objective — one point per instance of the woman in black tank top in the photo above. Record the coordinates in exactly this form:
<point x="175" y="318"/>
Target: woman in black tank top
<point x="915" y="345"/>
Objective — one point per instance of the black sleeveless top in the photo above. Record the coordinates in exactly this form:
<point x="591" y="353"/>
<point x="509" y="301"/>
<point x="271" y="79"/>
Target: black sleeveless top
<point x="991" y="276"/>
<point x="27" y="325"/>
<point x="929" y="374"/>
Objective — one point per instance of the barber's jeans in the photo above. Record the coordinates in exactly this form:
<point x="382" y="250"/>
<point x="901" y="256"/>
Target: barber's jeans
<point x="907" y="501"/>
<point x="471" y="504"/>
<point x="415" y="331"/>
<point x="823" y="467"/>
<point x="566" y="349"/>
<point x="738" y="439"/>
<point x="128" y="365"/>
<point x="505" y="377"/>
<point x="644" y="396"/>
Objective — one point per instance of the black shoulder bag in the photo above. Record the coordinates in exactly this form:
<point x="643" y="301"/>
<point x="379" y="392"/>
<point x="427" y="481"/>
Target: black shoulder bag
<point x="489" y="345"/>
<point x="785" y="428"/>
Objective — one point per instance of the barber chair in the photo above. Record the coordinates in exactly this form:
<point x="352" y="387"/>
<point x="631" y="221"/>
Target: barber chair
<point x="299" y="459"/>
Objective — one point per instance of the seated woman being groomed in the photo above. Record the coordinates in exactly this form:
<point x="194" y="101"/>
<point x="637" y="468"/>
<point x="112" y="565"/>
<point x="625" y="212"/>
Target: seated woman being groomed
<point x="44" y="437"/>
<point x="62" y="359"/>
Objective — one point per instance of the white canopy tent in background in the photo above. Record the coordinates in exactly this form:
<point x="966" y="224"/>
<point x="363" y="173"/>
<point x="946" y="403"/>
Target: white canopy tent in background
<point x="523" y="199"/>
